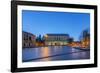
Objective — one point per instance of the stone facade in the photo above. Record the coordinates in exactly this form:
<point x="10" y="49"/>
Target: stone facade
<point x="56" y="39"/>
<point x="28" y="40"/>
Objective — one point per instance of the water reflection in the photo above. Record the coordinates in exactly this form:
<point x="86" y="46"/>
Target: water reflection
<point x="45" y="53"/>
<point x="53" y="53"/>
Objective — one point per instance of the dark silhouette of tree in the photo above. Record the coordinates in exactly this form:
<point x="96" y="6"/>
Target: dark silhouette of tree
<point x="40" y="39"/>
<point x="70" y="40"/>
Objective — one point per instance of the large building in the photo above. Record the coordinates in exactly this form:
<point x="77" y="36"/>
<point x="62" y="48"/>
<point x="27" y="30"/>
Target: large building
<point x="56" y="39"/>
<point x="86" y="42"/>
<point x="28" y="39"/>
<point x="85" y="39"/>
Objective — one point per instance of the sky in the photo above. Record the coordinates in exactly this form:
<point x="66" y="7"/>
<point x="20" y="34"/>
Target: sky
<point x="44" y="22"/>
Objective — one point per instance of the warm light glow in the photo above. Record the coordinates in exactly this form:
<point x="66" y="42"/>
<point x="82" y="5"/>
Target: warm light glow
<point x="46" y="36"/>
<point x="46" y="53"/>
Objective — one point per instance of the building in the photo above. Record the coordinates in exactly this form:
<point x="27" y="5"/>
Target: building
<point x="28" y="40"/>
<point x="56" y="39"/>
<point x="85" y="39"/>
<point x="86" y="42"/>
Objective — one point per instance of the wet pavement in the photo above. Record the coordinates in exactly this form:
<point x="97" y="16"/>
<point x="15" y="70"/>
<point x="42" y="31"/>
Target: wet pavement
<point x="53" y="53"/>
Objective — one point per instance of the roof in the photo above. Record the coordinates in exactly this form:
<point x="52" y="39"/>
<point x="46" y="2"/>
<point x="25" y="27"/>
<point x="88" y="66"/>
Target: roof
<point x="28" y="33"/>
<point x="57" y="34"/>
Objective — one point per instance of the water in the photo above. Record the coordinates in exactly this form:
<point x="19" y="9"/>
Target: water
<point x="52" y="53"/>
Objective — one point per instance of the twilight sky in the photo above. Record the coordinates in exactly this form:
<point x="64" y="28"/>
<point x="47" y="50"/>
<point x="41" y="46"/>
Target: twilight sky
<point x="44" y="22"/>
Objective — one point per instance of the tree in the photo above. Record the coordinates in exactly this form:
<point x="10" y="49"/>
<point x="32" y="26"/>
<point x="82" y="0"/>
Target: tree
<point x="70" y="40"/>
<point x="38" y="39"/>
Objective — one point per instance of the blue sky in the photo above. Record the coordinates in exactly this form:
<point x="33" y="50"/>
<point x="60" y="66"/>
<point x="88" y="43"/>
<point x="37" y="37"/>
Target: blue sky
<point x="43" y="22"/>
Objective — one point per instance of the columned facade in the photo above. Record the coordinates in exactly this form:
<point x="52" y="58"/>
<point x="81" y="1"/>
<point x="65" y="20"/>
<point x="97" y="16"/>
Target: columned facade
<point x="56" y="39"/>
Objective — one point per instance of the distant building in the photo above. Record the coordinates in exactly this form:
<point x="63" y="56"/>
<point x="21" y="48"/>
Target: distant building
<point x="56" y="39"/>
<point x="86" y="42"/>
<point x="85" y="39"/>
<point x="28" y="39"/>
